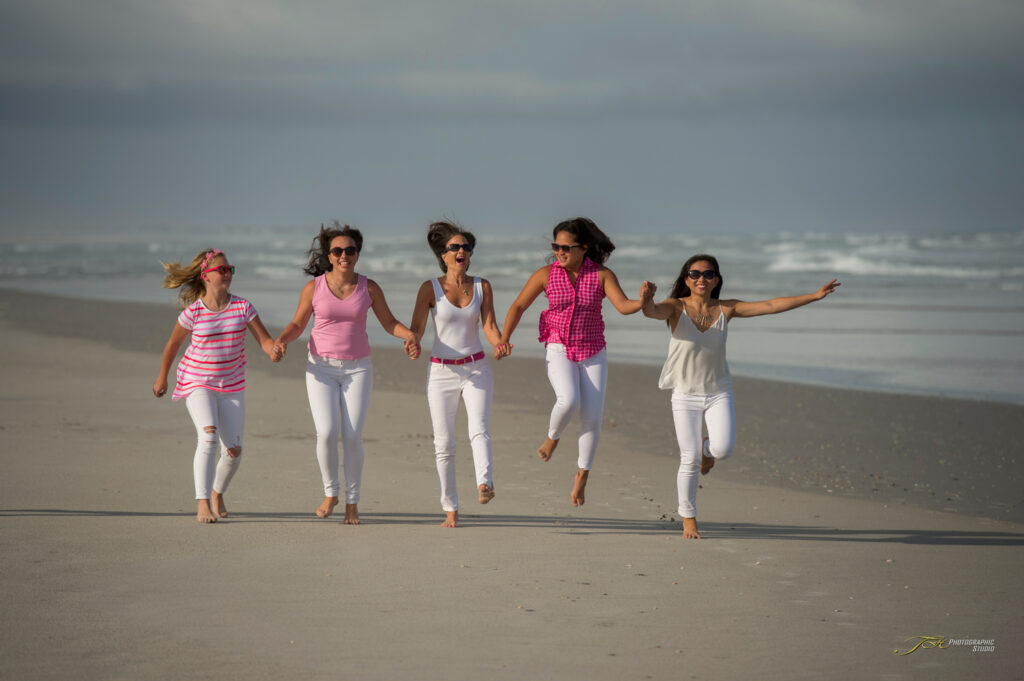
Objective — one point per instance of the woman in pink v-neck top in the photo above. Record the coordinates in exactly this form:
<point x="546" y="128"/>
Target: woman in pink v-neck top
<point x="696" y="371"/>
<point x="339" y="373"/>
<point x="572" y="330"/>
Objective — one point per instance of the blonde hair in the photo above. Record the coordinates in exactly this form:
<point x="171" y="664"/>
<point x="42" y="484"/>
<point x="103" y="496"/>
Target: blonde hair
<point x="189" y="278"/>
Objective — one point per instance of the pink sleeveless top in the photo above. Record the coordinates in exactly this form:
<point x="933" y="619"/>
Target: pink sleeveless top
<point x="339" y="326"/>
<point x="573" y="317"/>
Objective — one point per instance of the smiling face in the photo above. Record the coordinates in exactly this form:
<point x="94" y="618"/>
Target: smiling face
<point x="702" y="286"/>
<point x="214" y="277"/>
<point x="569" y="258"/>
<point x="456" y="260"/>
<point x="343" y="262"/>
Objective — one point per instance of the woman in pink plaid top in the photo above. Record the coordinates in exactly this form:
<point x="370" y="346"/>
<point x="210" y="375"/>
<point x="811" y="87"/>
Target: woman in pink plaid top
<point x="572" y="330"/>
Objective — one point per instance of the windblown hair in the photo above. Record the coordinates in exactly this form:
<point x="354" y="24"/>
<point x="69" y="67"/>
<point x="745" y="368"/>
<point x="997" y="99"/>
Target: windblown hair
<point x="188" y="278"/>
<point x="586" y="233"/>
<point x="317" y="260"/>
<point x="440" y="233"/>
<point x="682" y="290"/>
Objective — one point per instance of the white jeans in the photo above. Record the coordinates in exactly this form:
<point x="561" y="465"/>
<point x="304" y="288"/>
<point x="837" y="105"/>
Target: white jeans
<point x="687" y="412"/>
<point x="475" y="383"/>
<point x="225" y="413"/>
<point x="339" y="397"/>
<point x="577" y="384"/>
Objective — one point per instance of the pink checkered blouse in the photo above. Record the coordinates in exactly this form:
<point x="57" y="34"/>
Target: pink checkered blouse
<point x="573" y="317"/>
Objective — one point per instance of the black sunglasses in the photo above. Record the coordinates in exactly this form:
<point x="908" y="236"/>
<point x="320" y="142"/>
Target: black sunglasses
<point x="563" y="248"/>
<point x="455" y="248"/>
<point x="697" y="274"/>
<point x="337" y="251"/>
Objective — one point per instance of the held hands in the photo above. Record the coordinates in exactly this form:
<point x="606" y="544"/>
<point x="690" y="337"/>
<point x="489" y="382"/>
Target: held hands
<point x="502" y="350"/>
<point x="278" y="351"/>
<point x="647" y="291"/>
<point x="412" y="347"/>
<point x="828" y="288"/>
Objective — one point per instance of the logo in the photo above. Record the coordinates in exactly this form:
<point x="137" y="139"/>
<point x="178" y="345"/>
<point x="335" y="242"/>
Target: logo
<point x="977" y="645"/>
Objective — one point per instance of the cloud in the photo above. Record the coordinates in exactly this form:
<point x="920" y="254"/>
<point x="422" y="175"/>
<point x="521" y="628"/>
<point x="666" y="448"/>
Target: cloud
<point x="137" y="63"/>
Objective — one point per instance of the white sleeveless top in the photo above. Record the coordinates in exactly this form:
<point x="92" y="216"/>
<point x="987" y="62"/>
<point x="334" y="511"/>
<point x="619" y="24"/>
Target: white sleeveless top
<point x="696" y="361"/>
<point x="456" y="329"/>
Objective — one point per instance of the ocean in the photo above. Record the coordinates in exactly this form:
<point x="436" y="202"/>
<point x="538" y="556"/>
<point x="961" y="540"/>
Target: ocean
<point x="937" y="314"/>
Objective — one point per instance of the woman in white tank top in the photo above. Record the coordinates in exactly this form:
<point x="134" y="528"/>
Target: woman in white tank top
<point x="459" y="304"/>
<point x="696" y="371"/>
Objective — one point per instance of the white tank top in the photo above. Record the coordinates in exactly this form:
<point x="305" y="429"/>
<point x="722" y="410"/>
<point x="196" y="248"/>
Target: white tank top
<point x="696" y="361"/>
<point x="456" y="329"/>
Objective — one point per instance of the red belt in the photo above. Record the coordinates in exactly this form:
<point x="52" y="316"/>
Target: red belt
<point x="460" y="360"/>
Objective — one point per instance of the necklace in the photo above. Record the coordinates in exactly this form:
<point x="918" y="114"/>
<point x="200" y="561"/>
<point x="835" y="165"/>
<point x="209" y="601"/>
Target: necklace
<point x="702" y="320"/>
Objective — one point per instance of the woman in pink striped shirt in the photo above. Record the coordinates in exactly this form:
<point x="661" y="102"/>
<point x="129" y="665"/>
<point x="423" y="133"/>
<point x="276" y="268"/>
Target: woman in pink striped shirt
<point x="572" y="330"/>
<point x="211" y="374"/>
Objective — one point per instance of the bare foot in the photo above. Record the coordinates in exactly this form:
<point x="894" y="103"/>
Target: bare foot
<point x="451" y="519"/>
<point x="351" y="514"/>
<point x="547" y="449"/>
<point x="217" y="503"/>
<point x="578" y="488"/>
<point x="203" y="512"/>
<point x="486" y="493"/>
<point x="690" y="529"/>
<point x="706" y="462"/>
<point x="325" y="508"/>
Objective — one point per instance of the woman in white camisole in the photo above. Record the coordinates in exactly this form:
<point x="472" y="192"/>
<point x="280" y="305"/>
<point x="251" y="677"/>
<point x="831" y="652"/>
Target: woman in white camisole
<point x="459" y="304"/>
<point x="696" y="371"/>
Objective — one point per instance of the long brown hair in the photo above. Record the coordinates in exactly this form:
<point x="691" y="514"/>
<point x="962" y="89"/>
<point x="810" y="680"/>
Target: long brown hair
<point x="440" y="233"/>
<point x="588" y="234"/>
<point x="317" y="260"/>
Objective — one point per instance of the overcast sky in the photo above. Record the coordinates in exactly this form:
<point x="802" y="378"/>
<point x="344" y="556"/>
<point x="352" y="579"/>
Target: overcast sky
<point x="739" y="115"/>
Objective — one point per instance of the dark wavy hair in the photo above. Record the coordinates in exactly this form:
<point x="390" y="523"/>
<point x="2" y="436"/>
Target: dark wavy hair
<point x="586" y="233"/>
<point x="318" y="262"/>
<point x="440" y="233"/>
<point x="681" y="290"/>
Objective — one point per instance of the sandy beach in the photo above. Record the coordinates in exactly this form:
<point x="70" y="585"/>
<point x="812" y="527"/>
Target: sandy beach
<point x="846" y="525"/>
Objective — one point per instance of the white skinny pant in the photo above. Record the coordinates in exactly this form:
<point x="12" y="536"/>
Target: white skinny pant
<point x="225" y="413"/>
<point x="474" y="382"/>
<point x="577" y="384"/>
<point x="339" y="397"/>
<point x="687" y="412"/>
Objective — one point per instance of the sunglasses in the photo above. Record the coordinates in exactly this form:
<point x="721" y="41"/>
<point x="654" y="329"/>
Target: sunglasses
<point x="697" y="274"/>
<point x="455" y="248"/>
<point x="223" y="269"/>
<point x="563" y="248"/>
<point x="337" y="251"/>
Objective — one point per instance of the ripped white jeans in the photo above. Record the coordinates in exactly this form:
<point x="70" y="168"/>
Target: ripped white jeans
<point x="687" y="412"/>
<point x="225" y="413"/>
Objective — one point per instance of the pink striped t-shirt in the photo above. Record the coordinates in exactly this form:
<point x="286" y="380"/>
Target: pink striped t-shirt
<point x="215" y="357"/>
<point x="573" y="317"/>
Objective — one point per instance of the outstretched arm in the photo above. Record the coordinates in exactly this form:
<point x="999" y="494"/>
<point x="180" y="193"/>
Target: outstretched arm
<point x="380" y="308"/>
<point x="739" y="308"/>
<point x="263" y="338"/>
<point x="533" y="287"/>
<point x="178" y="336"/>
<point x="490" y="323"/>
<point x="424" y="301"/>
<point x="298" y="323"/>
<point x="614" y="293"/>
<point x="662" y="310"/>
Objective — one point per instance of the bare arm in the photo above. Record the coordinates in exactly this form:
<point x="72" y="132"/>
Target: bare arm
<point x="487" y="318"/>
<point x="380" y="308"/>
<point x="663" y="310"/>
<point x="739" y="308"/>
<point x="424" y="301"/>
<point x="298" y="323"/>
<point x="533" y="288"/>
<point x="614" y="293"/>
<point x="263" y="337"/>
<point x="178" y="335"/>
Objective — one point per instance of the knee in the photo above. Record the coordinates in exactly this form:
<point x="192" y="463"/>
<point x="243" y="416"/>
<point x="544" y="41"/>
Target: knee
<point x="445" y="456"/>
<point x="234" y="452"/>
<point x="568" y="401"/>
<point x="719" y="450"/>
